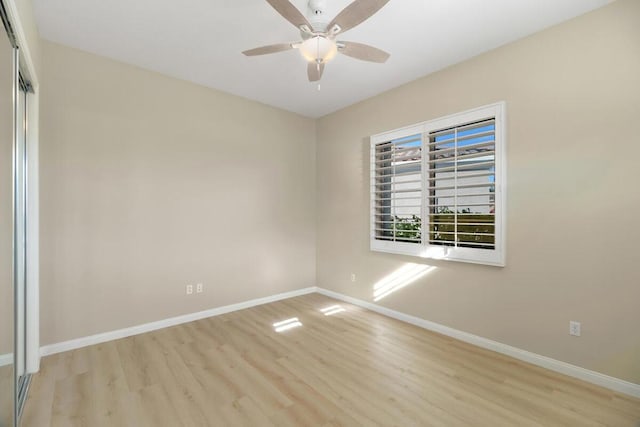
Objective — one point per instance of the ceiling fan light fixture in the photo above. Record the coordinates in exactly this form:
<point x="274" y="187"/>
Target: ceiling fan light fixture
<point x="318" y="49"/>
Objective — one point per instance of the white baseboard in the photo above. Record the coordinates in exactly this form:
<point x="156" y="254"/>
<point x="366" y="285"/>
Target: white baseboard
<point x="587" y="375"/>
<point x="148" y="327"/>
<point x="6" y="359"/>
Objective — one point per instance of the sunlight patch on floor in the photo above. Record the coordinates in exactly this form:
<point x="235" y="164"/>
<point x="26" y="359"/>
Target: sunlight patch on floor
<point x="332" y="309"/>
<point x="285" y="325"/>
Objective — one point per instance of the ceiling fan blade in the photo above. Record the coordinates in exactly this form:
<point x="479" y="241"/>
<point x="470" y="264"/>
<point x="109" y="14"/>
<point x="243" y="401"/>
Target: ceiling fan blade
<point x="290" y="13"/>
<point x="314" y="71"/>
<point x="268" y="49"/>
<point x="363" y="52"/>
<point x="355" y="14"/>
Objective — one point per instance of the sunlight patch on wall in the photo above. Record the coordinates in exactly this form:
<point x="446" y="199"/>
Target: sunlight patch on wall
<point x="285" y="325"/>
<point x="400" y="278"/>
<point x="331" y="310"/>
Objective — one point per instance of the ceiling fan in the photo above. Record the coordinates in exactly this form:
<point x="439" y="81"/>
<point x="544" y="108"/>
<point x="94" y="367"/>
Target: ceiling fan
<point x="319" y="44"/>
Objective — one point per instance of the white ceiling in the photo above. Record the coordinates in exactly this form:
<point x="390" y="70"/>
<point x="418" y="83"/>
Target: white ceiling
<point x="201" y="41"/>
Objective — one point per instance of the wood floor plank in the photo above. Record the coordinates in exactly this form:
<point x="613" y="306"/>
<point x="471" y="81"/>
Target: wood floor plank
<point x="354" y="368"/>
<point x="157" y="408"/>
<point x="244" y="412"/>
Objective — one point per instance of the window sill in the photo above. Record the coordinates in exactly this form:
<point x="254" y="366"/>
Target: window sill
<point x="467" y="255"/>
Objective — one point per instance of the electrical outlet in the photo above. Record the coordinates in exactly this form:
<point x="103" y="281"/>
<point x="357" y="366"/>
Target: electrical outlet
<point x="353" y="277"/>
<point x="199" y="288"/>
<point x="574" y="328"/>
<point x="189" y="289"/>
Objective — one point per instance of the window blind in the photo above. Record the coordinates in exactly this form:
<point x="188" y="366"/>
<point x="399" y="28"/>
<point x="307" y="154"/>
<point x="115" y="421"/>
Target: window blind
<point x="461" y="185"/>
<point x="397" y="190"/>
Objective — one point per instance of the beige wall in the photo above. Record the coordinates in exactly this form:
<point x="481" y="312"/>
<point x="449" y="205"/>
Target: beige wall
<point x="149" y="184"/>
<point x="573" y="103"/>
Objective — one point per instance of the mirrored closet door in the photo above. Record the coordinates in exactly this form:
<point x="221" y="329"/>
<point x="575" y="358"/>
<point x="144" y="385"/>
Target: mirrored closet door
<point x="14" y="215"/>
<point x="8" y="71"/>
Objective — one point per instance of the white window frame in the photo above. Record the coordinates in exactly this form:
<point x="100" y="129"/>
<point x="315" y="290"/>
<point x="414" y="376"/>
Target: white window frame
<point x="495" y="257"/>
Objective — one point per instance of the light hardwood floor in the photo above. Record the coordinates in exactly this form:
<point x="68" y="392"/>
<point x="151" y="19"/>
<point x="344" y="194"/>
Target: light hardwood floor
<point x="352" y="368"/>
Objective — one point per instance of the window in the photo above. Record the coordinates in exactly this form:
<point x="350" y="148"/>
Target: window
<point x="437" y="188"/>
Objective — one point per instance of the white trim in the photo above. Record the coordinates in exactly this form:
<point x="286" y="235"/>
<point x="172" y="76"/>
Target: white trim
<point x="32" y="297"/>
<point x="396" y="134"/>
<point x="6" y="359"/>
<point x="160" y="324"/>
<point x="574" y="371"/>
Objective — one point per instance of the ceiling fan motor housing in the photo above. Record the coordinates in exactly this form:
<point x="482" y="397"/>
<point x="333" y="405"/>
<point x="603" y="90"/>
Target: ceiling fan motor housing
<point x="317" y="7"/>
<point x="317" y="17"/>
